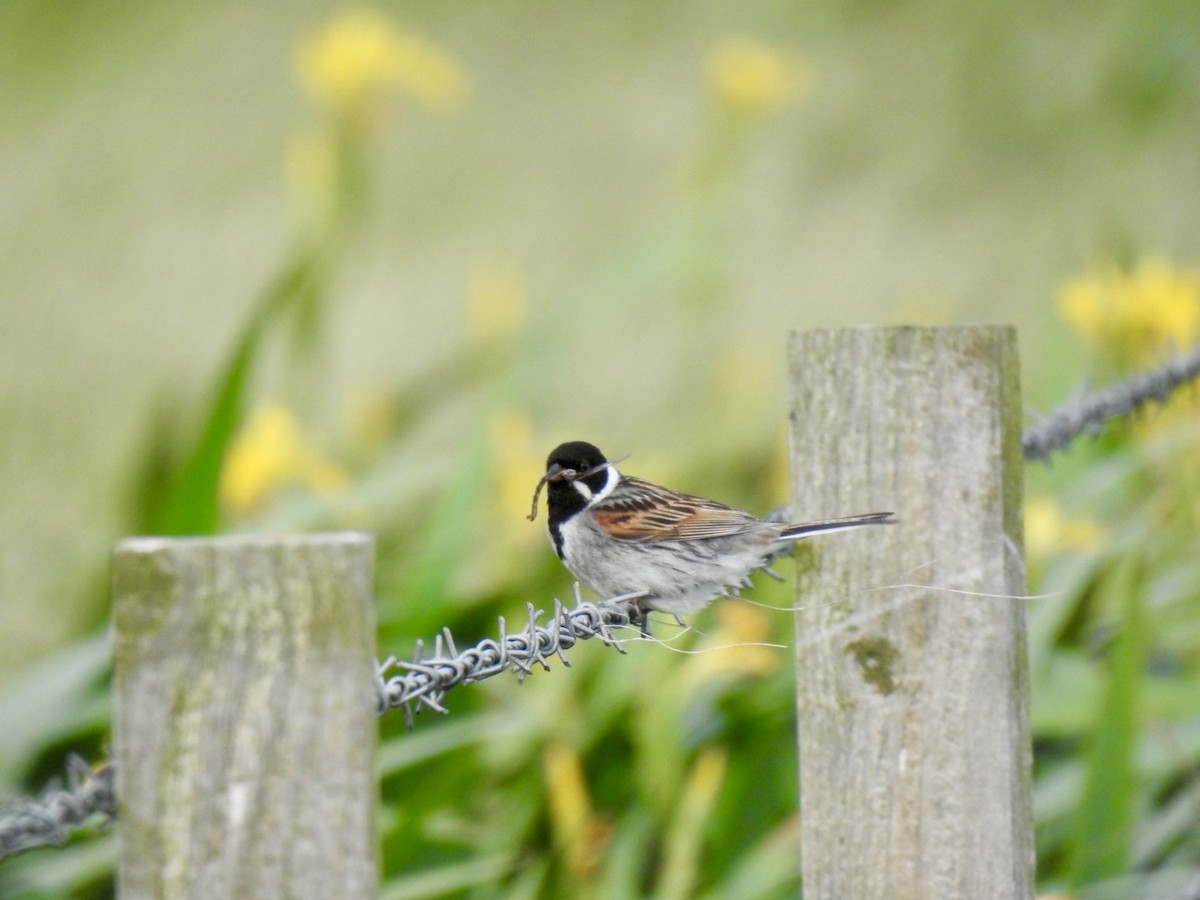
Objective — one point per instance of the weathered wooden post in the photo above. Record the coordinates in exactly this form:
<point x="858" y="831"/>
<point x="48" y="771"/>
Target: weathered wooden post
<point x="245" y="726"/>
<point x="913" y="700"/>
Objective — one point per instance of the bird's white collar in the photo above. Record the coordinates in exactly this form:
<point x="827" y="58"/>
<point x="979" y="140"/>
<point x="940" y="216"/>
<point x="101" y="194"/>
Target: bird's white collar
<point x="610" y="482"/>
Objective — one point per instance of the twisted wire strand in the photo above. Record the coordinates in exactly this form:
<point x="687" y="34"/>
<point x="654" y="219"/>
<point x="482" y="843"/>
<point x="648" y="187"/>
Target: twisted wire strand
<point x="1090" y="411"/>
<point x="44" y="821"/>
<point x="423" y="683"/>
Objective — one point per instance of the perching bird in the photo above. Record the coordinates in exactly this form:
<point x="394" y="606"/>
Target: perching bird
<point x="622" y="535"/>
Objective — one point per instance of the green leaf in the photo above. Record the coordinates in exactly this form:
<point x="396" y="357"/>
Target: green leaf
<point x="421" y="746"/>
<point x="191" y="505"/>
<point x="53" y="699"/>
<point x="770" y="868"/>
<point x="445" y="880"/>
<point x="1105" y="824"/>
<point x="1067" y="696"/>
<point x="84" y="868"/>
<point x="684" y="838"/>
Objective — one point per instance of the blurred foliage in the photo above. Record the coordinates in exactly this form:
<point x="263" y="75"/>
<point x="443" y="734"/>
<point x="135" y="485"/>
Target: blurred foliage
<point x="1134" y="316"/>
<point x="662" y="773"/>
<point x="1114" y="656"/>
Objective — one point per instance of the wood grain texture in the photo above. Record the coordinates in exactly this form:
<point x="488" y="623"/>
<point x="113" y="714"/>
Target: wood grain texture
<point x="245" y="726"/>
<point x="913" y="700"/>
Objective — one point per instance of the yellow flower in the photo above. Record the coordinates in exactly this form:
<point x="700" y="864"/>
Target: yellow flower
<point x="1137" y="314"/>
<point x="358" y="57"/>
<point x="1049" y="531"/>
<point x="747" y="76"/>
<point x="496" y="302"/>
<point x="577" y="832"/>
<point x="269" y="453"/>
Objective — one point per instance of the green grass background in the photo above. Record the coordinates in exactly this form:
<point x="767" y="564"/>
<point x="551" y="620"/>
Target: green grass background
<point x="953" y="162"/>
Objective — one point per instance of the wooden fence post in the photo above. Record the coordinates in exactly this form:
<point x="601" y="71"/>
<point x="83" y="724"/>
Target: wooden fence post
<point x="245" y="726"/>
<point x="913" y="698"/>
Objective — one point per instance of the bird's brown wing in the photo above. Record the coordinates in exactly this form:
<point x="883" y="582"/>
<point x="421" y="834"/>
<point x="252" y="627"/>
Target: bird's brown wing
<point x="640" y="511"/>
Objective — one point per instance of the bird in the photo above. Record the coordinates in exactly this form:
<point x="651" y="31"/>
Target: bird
<point x="623" y="536"/>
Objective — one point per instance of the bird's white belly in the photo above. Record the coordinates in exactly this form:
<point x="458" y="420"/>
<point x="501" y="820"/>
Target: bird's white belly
<point x="680" y="577"/>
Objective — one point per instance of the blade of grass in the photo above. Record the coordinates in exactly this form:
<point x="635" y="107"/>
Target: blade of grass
<point x="771" y="868"/>
<point x="446" y="880"/>
<point x="83" y="869"/>
<point x="191" y="506"/>
<point x="626" y="860"/>
<point x="1104" y="828"/>
<point x="685" y="839"/>
<point x="445" y="737"/>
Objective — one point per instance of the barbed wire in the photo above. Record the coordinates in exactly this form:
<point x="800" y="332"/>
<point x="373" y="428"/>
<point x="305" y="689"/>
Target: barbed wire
<point x="426" y="680"/>
<point x="44" y="821"/>
<point x="1090" y="411"/>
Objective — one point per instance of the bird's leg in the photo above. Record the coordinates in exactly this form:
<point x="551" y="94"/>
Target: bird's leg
<point x="642" y="619"/>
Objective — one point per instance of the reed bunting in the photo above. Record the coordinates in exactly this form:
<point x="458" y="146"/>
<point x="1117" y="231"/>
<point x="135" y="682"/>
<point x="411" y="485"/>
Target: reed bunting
<point x="622" y="535"/>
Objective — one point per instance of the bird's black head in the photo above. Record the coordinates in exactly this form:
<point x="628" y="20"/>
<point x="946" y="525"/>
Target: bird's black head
<point x="575" y="473"/>
<point x="578" y="456"/>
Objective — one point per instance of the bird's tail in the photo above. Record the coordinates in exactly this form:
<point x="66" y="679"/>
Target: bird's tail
<point x="804" y="529"/>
